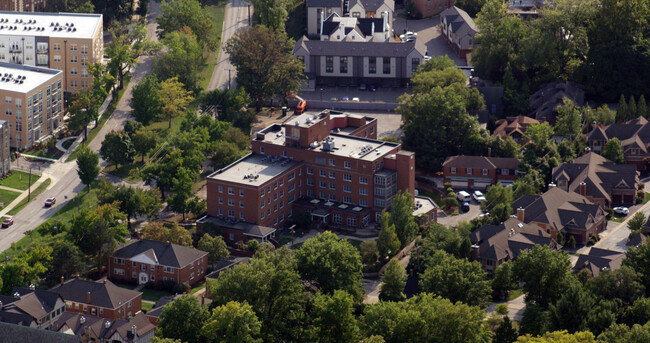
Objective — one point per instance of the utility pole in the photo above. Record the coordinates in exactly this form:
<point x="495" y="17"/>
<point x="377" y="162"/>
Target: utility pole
<point x="292" y="229"/>
<point x="229" y="78"/>
<point x="29" y="187"/>
<point x="249" y="15"/>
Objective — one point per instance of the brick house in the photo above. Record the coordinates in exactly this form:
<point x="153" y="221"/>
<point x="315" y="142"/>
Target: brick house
<point x="514" y="127"/>
<point x="459" y="30"/>
<point x="146" y="260"/>
<point x="137" y="329"/>
<point x="479" y="172"/>
<point x="31" y="307"/>
<point x="560" y="211"/>
<point x="99" y="298"/>
<point x="598" y="260"/>
<point x="635" y="140"/>
<point x="600" y="180"/>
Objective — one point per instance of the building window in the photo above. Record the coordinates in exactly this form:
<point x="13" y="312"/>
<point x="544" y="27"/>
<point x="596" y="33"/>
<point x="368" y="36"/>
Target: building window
<point x="332" y="175"/>
<point x="168" y="269"/>
<point x="220" y="189"/>
<point x="347" y="164"/>
<point x="262" y="204"/>
<point x="292" y="176"/>
<point x="336" y="219"/>
<point x="347" y="199"/>
<point x="372" y="65"/>
<point x="333" y="197"/>
<point x="262" y="193"/>
<point x="323" y="184"/>
<point x="468" y="171"/>
<point x="363" y="191"/>
<point x="73" y="47"/>
<point x="231" y="191"/>
<point x="119" y="260"/>
<point x="332" y="185"/>
<point x="231" y="213"/>
<point x="347" y="177"/>
<point x="231" y="202"/>
<point x="363" y="180"/>
<point x="347" y="188"/>
<point x="310" y="171"/>
<point x="118" y="271"/>
<point x="453" y="170"/>
<point x="352" y="221"/>
<point x="505" y="171"/>
<point x="363" y="202"/>
<point x="415" y="63"/>
<point x="241" y="192"/>
<point x="386" y="65"/>
<point x="323" y="173"/>
<point x="241" y="204"/>
<point x="344" y="64"/>
<point x="484" y="171"/>
<point x="143" y="267"/>
<point x="329" y="64"/>
<point x="220" y="200"/>
<point x="73" y="59"/>
<point x="310" y="182"/>
<point x="232" y="235"/>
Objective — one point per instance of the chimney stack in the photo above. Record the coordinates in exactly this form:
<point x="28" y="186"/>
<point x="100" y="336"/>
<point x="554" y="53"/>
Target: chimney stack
<point x="88" y="298"/>
<point x="583" y="189"/>
<point x="521" y="214"/>
<point x="32" y="287"/>
<point x="180" y="241"/>
<point x="551" y="186"/>
<point x="167" y="243"/>
<point x="62" y="280"/>
<point x="202" y="299"/>
<point x="134" y="330"/>
<point x="489" y="152"/>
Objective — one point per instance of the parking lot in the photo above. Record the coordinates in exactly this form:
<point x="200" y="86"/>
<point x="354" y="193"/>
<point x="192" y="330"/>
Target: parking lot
<point x="337" y="94"/>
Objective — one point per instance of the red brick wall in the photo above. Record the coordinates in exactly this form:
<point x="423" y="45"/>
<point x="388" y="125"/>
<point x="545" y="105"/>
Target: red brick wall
<point x="121" y="312"/>
<point x="179" y="276"/>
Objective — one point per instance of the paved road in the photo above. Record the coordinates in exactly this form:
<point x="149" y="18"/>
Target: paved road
<point x="65" y="182"/>
<point x="235" y="18"/>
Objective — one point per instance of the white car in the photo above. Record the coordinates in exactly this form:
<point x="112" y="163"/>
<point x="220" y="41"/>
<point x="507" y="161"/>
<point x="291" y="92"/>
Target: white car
<point x="623" y="211"/>
<point x="478" y="196"/>
<point x="355" y="99"/>
<point x="427" y="58"/>
<point x="408" y="35"/>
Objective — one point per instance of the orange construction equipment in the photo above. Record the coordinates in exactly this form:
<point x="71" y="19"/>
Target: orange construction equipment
<point x="302" y="103"/>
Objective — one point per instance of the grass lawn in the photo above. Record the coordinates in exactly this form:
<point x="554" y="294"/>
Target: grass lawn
<point x="153" y="294"/>
<point x="40" y="189"/>
<point x="646" y="197"/>
<point x="216" y="9"/>
<point x="124" y="171"/>
<point x="45" y="152"/>
<point x="198" y="287"/>
<point x="435" y="196"/>
<point x="6" y="197"/>
<point x="67" y="144"/>
<point x="18" y="247"/>
<point x="515" y="294"/>
<point x="147" y="306"/>
<point x="617" y="219"/>
<point x="19" y="180"/>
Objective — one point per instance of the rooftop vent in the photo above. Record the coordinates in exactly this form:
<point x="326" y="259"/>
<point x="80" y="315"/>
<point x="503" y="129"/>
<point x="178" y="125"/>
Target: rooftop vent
<point x="107" y="324"/>
<point x="82" y="319"/>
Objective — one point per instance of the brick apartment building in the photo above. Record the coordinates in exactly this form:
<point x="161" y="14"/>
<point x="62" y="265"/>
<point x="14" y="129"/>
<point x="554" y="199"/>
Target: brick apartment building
<point x="5" y="152"/>
<point x="63" y="41"/>
<point x="479" y="172"/>
<point x="330" y="165"/>
<point x="22" y="5"/>
<point x="99" y="298"/>
<point x="145" y="260"/>
<point x="31" y="103"/>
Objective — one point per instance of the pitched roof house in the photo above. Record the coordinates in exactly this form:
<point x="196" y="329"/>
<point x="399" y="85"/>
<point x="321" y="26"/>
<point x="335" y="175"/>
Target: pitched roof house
<point x="635" y="140"/>
<point x="137" y="329"/>
<point x="472" y="172"/>
<point x="640" y="237"/>
<point x="351" y="29"/>
<point x="599" y="179"/>
<point x="492" y="245"/>
<point x="545" y="101"/>
<point x="459" y="29"/>
<point x="514" y="127"/>
<point x="99" y="298"/>
<point x="31" y="307"/>
<point x="598" y="260"/>
<point x="146" y="260"/>
<point x="560" y="211"/>
<point x="319" y="10"/>
<point x="14" y="333"/>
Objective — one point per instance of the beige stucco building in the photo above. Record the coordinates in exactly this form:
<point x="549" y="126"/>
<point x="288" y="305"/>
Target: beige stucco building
<point x="22" y="5"/>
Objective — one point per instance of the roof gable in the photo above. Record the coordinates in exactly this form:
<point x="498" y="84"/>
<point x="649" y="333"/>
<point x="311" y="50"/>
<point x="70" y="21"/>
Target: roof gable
<point x="167" y="254"/>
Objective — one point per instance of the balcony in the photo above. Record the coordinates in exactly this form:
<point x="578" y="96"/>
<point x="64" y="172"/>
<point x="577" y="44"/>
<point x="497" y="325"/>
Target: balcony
<point x="42" y="51"/>
<point x="15" y="50"/>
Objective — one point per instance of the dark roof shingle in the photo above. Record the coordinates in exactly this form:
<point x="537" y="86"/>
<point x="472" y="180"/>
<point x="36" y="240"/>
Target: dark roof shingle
<point x="172" y="255"/>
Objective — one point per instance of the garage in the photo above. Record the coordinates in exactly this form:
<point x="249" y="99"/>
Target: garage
<point x="482" y="185"/>
<point x="458" y="184"/>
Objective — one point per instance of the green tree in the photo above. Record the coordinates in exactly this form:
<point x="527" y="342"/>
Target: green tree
<point x="569" y="119"/>
<point x="127" y="44"/>
<point x="183" y="319"/>
<point x="132" y="201"/>
<point x="70" y="6"/>
<point x="180" y="14"/>
<point x="621" y="333"/>
<point x="539" y="133"/>
<point x="182" y="190"/>
<point x="535" y="320"/>
<point x="631" y="109"/>
<point x="571" y="242"/>
<point x="271" y="13"/>
<point x="497" y="195"/>
<point x="621" y="110"/>
<point x="638" y="259"/>
<point x="559" y="337"/>
<point x="117" y="148"/>
<point x="637" y="221"/>
<point x="182" y="59"/>
<point x="641" y="107"/>
<point x="504" y="279"/>
<point x="545" y="273"/>
<point x="264" y="63"/>
<point x="232" y="103"/>
<point x="505" y="333"/>
<point x="472" y="7"/>
<point x="331" y="262"/>
<point x="145" y="103"/>
<point x="174" y="99"/>
<point x="369" y="252"/>
<point x="439" y="237"/>
<point x="456" y="280"/>
<point x="87" y="165"/>
<point x="235" y="135"/>
<point x="66" y="261"/>
<point x="226" y="153"/>
<point x="571" y="311"/>
<point x="387" y="243"/>
<point x="623" y="285"/>
<point x="613" y="151"/>
<point x="131" y="126"/>
<point x="333" y="317"/>
<point x="604" y="115"/>
<point x="143" y="142"/>
<point x="638" y="313"/>
<point x="393" y="282"/>
<point x="172" y="233"/>
<point x="215" y="246"/>
<point x="164" y="340"/>
<point x="232" y="323"/>
<point x="401" y="216"/>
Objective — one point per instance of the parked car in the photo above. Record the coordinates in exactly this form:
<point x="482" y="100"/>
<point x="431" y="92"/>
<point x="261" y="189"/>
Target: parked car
<point x="50" y="201"/>
<point x="355" y="99"/>
<point x="465" y="207"/>
<point x="345" y="98"/>
<point x="372" y="88"/>
<point x="362" y="87"/>
<point x="621" y="210"/>
<point x="463" y="196"/>
<point x="408" y="35"/>
<point x="8" y="222"/>
<point x="409" y="39"/>
<point x="427" y="58"/>
<point x="478" y="196"/>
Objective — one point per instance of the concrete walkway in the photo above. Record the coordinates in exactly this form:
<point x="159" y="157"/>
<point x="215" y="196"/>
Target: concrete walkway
<point x="59" y="143"/>
<point x="23" y="195"/>
<point x="516" y="307"/>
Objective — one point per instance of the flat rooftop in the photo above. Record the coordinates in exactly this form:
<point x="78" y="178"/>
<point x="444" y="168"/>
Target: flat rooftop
<point x="344" y="145"/>
<point x="423" y="205"/>
<point x="253" y="169"/>
<point x="22" y="78"/>
<point x="57" y="25"/>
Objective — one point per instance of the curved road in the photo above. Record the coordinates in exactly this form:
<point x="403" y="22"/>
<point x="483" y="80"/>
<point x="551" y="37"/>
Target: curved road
<point x="65" y="182"/>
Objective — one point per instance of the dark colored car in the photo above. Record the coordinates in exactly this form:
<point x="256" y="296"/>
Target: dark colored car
<point x="50" y="201"/>
<point x="8" y="222"/>
<point x="372" y="88"/>
<point x="465" y="207"/>
<point x="362" y="87"/>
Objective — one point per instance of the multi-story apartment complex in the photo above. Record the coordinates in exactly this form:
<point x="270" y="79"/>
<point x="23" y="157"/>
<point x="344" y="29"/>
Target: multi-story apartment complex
<point x="64" y="41"/>
<point x="330" y="165"/>
<point x="22" y="5"/>
<point x="31" y="104"/>
<point x="5" y="153"/>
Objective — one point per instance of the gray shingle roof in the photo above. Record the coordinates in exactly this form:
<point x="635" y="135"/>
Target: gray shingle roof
<point x="172" y="255"/>
<point x="12" y="333"/>
<point x="104" y="328"/>
<point x="598" y="260"/>
<point x="363" y="49"/>
<point x="462" y="161"/>
<point x="544" y="102"/>
<point x="461" y="23"/>
<point x="632" y="134"/>
<point x="103" y="293"/>
<point x="325" y="3"/>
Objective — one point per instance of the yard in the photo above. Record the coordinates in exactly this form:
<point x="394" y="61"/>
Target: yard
<point x="6" y="197"/>
<point x="217" y="10"/>
<point x="19" y="180"/>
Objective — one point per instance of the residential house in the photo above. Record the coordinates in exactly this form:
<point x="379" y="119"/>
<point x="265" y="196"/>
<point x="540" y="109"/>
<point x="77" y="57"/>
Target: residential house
<point x="492" y="245"/>
<point x="319" y="11"/>
<point x="479" y="172"/>
<point x="602" y="181"/>
<point x="560" y="211"/>
<point x="598" y="260"/>
<point x="99" y="298"/>
<point x="353" y="29"/>
<point x="137" y="329"/>
<point x="15" y="333"/>
<point x="31" y="307"/>
<point x="514" y="127"/>
<point x="372" y="9"/>
<point x="144" y="260"/>
<point x="640" y="237"/>
<point x="459" y="30"/>
<point x="545" y="101"/>
<point x="429" y="8"/>
<point x="350" y="62"/>
<point x="635" y="140"/>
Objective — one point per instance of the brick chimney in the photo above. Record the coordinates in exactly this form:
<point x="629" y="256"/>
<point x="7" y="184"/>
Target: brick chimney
<point x="489" y="152"/>
<point x="88" y="298"/>
<point x="583" y="189"/>
<point x="551" y="186"/>
<point x="521" y="214"/>
<point x="180" y="241"/>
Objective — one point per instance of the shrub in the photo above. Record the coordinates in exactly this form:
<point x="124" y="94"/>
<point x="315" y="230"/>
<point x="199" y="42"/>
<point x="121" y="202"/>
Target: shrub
<point x="502" y="309"/>
<point x="181" y="288"/>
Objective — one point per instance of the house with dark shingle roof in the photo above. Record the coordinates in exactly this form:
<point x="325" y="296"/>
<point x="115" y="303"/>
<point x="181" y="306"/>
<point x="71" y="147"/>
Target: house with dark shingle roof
<point x="146" y="260"/>
<point x="479" y="172"/>
<point x="459" y="29"/>
<point x="137" y="329"/>
<point x="319" y="10"/>
<point x="598" y="260"/>
<point x="31" y="307"/>
<point x="637" y="238"/>
<point x="545" y="101"/>
<point x="599" y="179"/>
<point x="99" y="298"/>
<point x="514" y="127"/>
<point x="492" y="245"/>
<point x="353" y="29"/>
<point x="560" y="211"/>
<point x="15" y="333"/>
<point x="635" y="140"/>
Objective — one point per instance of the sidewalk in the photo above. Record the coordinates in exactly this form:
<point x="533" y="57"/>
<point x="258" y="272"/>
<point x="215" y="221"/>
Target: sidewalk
<point x="22" y="196"/>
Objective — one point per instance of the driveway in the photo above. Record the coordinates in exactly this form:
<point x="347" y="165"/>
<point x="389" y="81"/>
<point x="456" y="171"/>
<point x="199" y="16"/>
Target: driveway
<point x="474" y="211"/>
<point x="329" y="93"/>
<point x="516" y="308"/>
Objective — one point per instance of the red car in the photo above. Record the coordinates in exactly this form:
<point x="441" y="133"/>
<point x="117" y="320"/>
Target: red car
<point x="8" y="222"/>
<point x="50" y="201"/>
